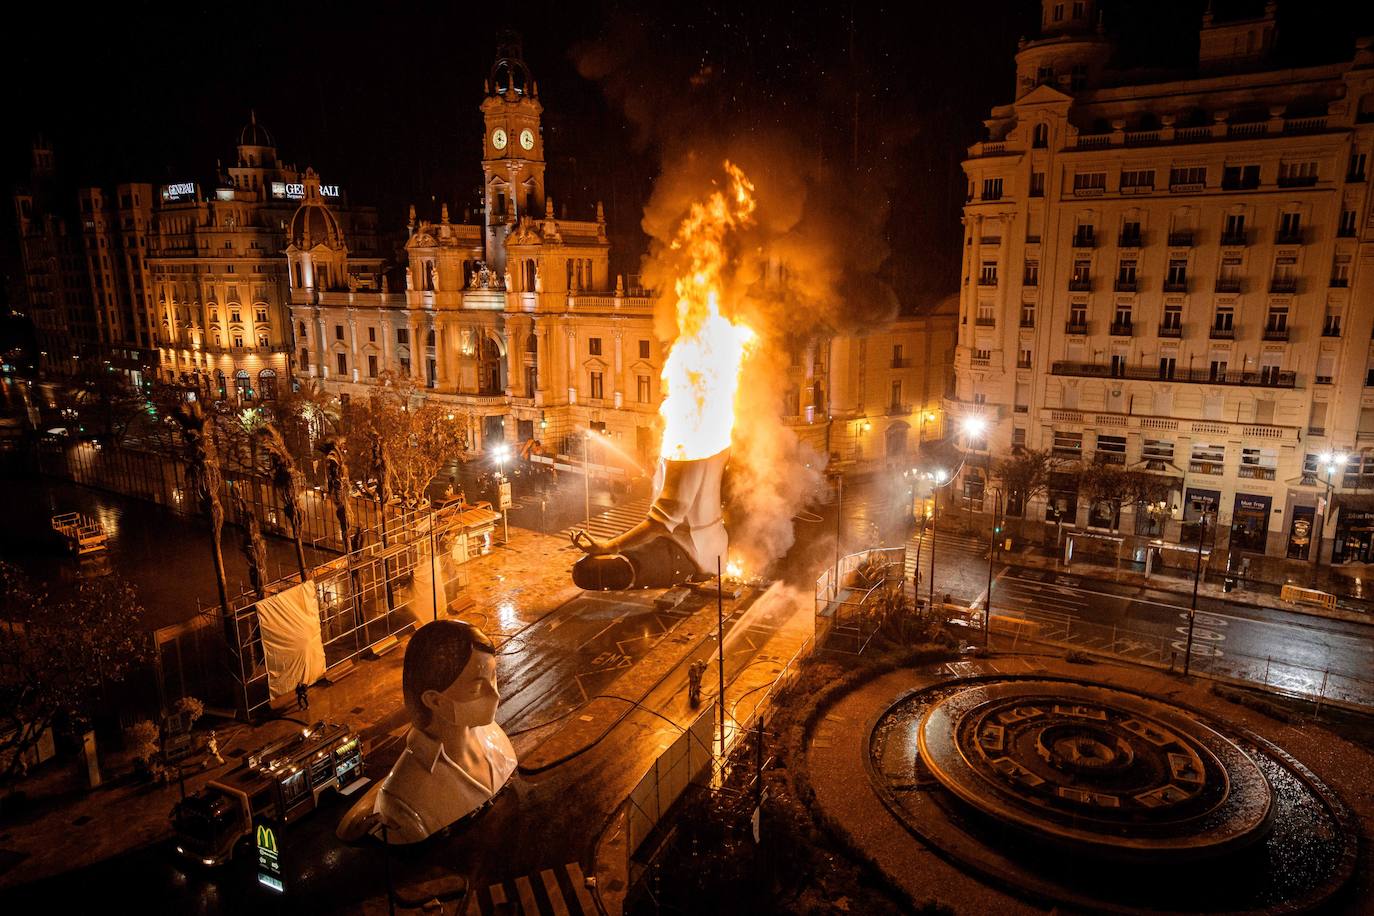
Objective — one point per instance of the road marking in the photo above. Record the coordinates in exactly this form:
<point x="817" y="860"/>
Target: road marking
<point x="527" y="901"/>
<point x="579" y="883"/>
<point x="555" y="892"/>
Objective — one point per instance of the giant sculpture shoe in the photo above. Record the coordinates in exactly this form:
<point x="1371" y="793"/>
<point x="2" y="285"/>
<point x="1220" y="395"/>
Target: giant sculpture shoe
<point x="682" y="538"/>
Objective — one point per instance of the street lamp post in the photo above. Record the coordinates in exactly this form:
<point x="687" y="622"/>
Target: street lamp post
<point x="1332" y="460"/>
<point x="992" y="549"/>
<point x="587" y="475"/>
<point x="934" y="519"/>
<point x="501" y="453"/>
<point x="1197" y="580"/>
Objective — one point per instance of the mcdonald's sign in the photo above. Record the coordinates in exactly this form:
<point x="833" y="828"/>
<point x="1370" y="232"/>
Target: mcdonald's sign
<point x="269" y="858"/>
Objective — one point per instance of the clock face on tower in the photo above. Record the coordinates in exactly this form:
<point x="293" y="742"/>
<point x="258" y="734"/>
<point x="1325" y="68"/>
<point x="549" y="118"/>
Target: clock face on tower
<point x="498" y="138"/>
<point x="527" y="138"/>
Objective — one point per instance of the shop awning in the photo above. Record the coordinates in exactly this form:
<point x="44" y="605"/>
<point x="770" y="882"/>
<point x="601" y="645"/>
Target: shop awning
<point x="1355" y="502"/>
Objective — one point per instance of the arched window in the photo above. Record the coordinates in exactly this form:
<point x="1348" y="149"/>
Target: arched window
<point x="267" y="384"/>
<point x="219" y="384"/>
<point x="243" y="385"/>
<point x="1041" y="137"/>
<point x="532" y="344"/>
<point x="303" y="335"/>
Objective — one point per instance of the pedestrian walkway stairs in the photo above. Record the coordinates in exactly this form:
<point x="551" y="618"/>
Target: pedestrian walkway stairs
<point x="614" y="521"/>
<point x="560" y="891"/>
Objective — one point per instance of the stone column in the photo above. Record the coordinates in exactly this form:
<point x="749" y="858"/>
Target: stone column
<point x="386" y="332"/>
<point x="417" y="348"/>
<point x="322" y="341"/>
<point x="355" y="374"/>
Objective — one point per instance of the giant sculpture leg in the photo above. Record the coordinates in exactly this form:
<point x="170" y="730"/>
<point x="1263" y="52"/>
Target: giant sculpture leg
<point x="682" y="537"/>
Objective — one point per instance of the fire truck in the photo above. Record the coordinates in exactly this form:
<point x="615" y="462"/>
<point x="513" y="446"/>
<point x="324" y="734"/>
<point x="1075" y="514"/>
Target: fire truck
<point x="280" y="783"/>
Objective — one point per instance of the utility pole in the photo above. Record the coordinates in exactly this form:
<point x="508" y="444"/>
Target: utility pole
<point x="587" y="475"/>
<point x="934" y="519"/>
<point x="839" y="533"/>
<point x="992" y="549"/>
<point x="720" y="651"/>
<point x="1197" y="579"/>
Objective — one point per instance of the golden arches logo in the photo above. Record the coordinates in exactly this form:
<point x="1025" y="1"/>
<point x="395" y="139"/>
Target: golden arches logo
<point x="267" y="839"/>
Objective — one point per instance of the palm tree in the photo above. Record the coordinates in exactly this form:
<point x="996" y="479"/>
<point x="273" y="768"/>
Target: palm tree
<point x="253" y="547"/>
<point x="205" y="479"/>
<point x="335" y="454"/>
<point x="288" y="482"/>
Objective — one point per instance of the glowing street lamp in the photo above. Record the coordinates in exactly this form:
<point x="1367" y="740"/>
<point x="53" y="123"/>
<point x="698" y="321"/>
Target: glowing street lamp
<point x="974" y="427"/>
<point x="1333" y="461"/>
<point x="501" y="453"/>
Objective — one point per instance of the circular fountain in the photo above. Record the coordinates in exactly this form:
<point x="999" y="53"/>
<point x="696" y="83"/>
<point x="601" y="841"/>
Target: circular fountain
<point x="1075" y="792"/>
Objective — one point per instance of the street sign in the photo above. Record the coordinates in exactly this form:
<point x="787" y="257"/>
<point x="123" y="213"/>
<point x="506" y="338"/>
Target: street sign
<point x="269" y="858"/>
<point x="504" y="499"/>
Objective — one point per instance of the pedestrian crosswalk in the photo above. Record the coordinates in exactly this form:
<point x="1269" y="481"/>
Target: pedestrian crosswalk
<point x="616" y="520"/>
<point x="560" y="891"/>
<point x="959" y="562"/>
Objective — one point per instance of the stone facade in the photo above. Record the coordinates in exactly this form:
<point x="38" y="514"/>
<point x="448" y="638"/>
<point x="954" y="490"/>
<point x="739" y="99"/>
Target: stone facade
<point x="1176" y="272"/>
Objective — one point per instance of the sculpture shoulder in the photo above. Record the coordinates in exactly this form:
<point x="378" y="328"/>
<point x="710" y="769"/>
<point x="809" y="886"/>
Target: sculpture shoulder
<point x="404" y="824"/>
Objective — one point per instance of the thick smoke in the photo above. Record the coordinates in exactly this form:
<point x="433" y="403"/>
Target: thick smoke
<point x="808" y="265"/>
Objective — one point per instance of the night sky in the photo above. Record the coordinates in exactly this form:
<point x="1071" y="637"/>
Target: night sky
<point x="383" y="98"/>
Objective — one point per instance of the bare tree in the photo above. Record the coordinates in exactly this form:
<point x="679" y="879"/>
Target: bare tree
<point x="1103" y="482"/>
<point x="58" y="659"/>
<point x="289" y="483"/>
<point x="409" y="438"/>
<point x="1025" y="474"/>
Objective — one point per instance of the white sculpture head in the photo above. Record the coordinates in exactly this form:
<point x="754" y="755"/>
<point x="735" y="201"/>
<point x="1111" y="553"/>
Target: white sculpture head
<point x="449" y="679"/>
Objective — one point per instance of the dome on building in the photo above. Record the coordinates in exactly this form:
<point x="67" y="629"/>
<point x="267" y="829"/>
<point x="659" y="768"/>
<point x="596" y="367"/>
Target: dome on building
<point x="254" y="134"/>
<point x="314" y="223"/>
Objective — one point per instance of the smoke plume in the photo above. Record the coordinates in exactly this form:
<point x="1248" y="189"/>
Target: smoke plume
<point x="808" y="265"/>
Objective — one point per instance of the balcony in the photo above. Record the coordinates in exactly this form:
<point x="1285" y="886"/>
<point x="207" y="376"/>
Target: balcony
<point x="1125" y="286"/>
<point x="1027" y="322"/>
<point x="901" y="362"/>
<point x="1235" y="239"/>
<point x="1032" y="240"/>
<point x="1170" y="330"/>
<point x="1283" y="285"/>
<point x="1249" y="184"/>
<point x="985" y="321"/>
<point x="1228" y="285"/>
<point x="1288" y="237"/>
<point x="1076" y="327"/>
<point x="1080" y="286"/>
<point x="1084" y="240"/>
<point x="986" y="280"/>
<point x="1353" y="177"/>
<point x="1023" y="364"/>
<point x="1176" y="286"/>
<point x="1180" y="239"/>
<point x="1331" y="330"/>
<point x="1205" y="467"/>
<point x="1250" y="472"/>
<point x="1340" y="282"/>
<point x="1128" y="240"/>
<point x="1122" y="329"/>
<point x="1262" y="379"/>
<point x="1222" y="333"/>
<point x="898" y="410"/>
<point x="1276" y="334"/>
<point x="1102" y="457"/>
<point x="1297" y="181"/>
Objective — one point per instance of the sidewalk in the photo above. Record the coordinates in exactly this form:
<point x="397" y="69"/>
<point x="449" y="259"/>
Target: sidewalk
<point x="67" y="826"/>
<point x="1246" y="591"/>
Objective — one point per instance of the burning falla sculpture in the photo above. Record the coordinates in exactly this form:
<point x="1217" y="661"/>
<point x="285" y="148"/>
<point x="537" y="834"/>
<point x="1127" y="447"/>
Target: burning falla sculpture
<point x="682" y="538"/>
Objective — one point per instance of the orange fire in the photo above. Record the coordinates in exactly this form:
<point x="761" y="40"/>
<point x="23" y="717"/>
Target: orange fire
<point x="701" y="374"/>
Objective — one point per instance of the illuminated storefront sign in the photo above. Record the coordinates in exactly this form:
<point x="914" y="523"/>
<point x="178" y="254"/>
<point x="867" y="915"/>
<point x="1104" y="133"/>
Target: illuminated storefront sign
<point x="269" y="859"/>
<point x="294" y="190"/>
<point x="185" y="190"/>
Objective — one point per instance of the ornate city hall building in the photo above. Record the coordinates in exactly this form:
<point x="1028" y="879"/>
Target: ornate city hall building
<point x="519" y="324"/>
<point x="1175" y="272"/>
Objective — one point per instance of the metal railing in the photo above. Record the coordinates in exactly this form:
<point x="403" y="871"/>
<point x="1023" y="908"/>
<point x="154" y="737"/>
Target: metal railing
<point x="1262" y="379"/>
<point x="1212" y="656"/>
<point x="843" y="615"/>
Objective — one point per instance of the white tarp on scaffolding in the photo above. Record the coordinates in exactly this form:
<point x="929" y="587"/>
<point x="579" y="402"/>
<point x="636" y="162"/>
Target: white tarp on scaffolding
<point x="291" y="644"/>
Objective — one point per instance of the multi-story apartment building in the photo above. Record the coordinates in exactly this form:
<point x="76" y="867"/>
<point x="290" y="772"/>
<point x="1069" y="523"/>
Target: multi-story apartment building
<point x="519" y="324"/>
<point x="56" y="291"/>
<point x="1176" y="272"/>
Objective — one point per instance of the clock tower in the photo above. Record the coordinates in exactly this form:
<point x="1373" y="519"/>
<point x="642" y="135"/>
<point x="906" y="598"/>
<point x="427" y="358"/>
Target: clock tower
<point x="512" y="150"/>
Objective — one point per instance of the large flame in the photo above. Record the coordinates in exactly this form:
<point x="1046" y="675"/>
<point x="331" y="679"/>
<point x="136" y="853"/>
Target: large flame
<point x="701" y="373"/>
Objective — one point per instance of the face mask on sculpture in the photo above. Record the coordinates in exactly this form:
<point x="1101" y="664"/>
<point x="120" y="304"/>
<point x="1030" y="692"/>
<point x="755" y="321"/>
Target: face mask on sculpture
<point x="471" y="700"/>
